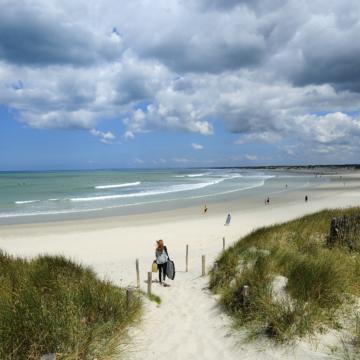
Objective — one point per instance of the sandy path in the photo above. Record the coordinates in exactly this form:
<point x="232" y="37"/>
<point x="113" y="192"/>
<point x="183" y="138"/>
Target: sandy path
<point x="188" y="324"/>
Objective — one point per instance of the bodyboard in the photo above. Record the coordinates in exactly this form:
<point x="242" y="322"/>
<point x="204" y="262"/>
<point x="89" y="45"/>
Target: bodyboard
<point x="170" y="269"/>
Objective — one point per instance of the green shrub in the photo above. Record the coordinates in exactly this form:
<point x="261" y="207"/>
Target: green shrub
<point x="52" y="305"/>
<point x="320" y="280"/>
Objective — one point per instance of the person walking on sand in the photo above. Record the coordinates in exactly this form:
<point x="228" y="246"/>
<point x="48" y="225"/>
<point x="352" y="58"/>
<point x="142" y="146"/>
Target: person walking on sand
<point x="228" y="219"/>
<point x="306" y="198"/>
<point x="205" y="209"/>
<point x="162" y="256"/>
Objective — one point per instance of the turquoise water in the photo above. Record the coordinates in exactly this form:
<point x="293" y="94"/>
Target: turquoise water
<point x="63" y="194"/>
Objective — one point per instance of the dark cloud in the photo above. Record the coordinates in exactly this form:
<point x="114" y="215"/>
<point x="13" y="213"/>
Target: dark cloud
<point x="340" y="66"/>
<point x="212" y="57"/>
<point x="28" y="36"/>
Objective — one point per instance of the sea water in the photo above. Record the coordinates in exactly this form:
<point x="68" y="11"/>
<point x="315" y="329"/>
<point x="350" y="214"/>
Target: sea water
<point x="53" y="195"/>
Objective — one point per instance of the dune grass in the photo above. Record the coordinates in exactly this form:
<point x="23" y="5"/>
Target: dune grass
<point x="52" y="305"/>
<point x="321" y="283"/>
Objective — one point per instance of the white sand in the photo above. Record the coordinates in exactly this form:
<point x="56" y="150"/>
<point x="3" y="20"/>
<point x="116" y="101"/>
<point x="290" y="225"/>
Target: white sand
<point x="188" y="324"/>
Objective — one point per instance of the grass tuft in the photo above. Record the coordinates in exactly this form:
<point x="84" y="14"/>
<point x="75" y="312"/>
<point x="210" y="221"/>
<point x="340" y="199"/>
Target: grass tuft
<point x="321" y="281"/>
<point x="52" y="305"/>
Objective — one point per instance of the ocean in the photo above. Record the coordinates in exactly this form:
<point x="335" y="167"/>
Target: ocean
<point x="54" y="195"/>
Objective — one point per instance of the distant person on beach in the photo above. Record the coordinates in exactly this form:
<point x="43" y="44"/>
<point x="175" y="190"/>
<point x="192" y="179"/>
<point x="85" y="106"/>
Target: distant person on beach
<point x="162" y="257"/>
<point x="306" y="198"/>
<point x="205" y="209"/>
<point x="228" y="219"/>
<point x="268" y="201"/>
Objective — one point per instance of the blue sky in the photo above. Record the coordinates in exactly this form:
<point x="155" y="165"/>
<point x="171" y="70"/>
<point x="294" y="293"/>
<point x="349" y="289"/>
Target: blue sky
<point x="22" y="147"/>
<point x="199" y="83"/>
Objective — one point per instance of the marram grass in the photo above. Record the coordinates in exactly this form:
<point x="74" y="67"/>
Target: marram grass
<point x="52" y="305"/>
<point x="323" y="284"/>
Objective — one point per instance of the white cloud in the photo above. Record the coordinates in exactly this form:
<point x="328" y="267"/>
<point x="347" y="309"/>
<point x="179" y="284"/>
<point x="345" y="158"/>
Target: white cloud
<point x="262" y="68"/>
<point x="333" y="128"/>
<point x="251" y="157"/>
<point x="264" y="137"/>
<point x="105" y="137"/>
<point x="197" y="146"/>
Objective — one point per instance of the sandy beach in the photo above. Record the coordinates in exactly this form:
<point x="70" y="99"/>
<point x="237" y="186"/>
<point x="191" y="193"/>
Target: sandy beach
<point x="187" y="324"/>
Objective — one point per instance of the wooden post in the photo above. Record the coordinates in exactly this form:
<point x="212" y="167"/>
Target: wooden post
<point x="203" y="265"/>
<point x="223" y="243"/>
<point x="187" y="258"/>
<point x="129" y="296"/>
<point x="245" y="294"/>
<point x="48" y="357"/>
<point x="334" y="231"/>
<point x="137" y="274"/>
<point x="149" y="283"/>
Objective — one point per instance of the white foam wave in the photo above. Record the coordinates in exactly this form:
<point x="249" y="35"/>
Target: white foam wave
<point x="39" y="213"/>
<point x="196" y="175"/>
<point x="191" y="175"/>
<point x="26" y="202"/>
<point x="169" y="189"/>
<point x="232" y="176"/>
<point x="114" y="186"/>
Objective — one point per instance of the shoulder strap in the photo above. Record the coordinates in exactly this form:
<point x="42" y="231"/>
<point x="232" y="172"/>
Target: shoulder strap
<point x="165" y="248"/>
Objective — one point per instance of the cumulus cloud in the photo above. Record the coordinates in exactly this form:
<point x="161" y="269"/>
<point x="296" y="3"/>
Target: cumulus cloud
<point x="105" y="137"/>
<point x="265" y="137"/>
<point x="251" y="157"/>
<point x="41" y="35"/>
<point x="334" y="128"/>
<point x="197" y="146"/>
<point x="280" y="72"/>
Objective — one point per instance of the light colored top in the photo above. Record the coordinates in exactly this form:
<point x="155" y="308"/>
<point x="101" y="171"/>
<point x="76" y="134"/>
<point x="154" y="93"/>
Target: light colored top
<point x="161" y="256"/>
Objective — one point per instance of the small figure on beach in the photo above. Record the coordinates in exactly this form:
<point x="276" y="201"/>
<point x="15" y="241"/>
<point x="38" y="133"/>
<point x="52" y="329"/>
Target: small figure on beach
<point x="286" y="185"/>
<point x="306" y="198"/>
<point x="162" y="257"/>
<point x="205" y="209"/>
<point x="228" y="219"/>
<point x="268" y="201"/>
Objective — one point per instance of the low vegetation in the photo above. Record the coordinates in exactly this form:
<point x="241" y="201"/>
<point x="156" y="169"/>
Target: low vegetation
<point x="52" y="305"/>
<point x="298" y="283"/>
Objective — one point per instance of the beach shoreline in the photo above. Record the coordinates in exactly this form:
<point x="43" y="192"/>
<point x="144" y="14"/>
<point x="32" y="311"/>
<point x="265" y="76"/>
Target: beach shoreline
<point x="247" y="215"/>
<point x="42" y="198"/>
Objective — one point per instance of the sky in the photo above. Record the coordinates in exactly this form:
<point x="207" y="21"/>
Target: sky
<point x="178" y="83"/>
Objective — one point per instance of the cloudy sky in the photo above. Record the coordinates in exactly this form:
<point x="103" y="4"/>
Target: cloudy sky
<point x="162" y="83"/>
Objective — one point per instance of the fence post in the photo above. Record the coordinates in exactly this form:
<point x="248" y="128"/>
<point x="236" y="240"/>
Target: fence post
<point x="203" y="265"/>
<point x="129" y="296"/>
<point x="137" y="274"/>
<point x="187" y="258"/>
<point x="223" y="243"/>
<point x="149" y="283"/>
<point x="245" y="294"/>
